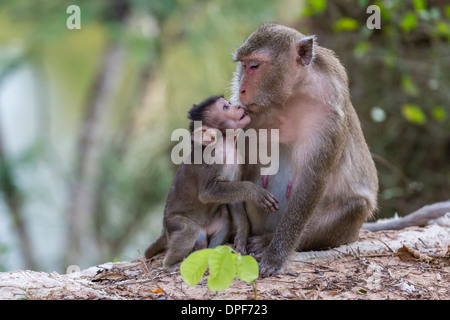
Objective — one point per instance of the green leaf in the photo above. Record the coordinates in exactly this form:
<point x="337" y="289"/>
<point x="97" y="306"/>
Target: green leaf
<point x="363" y="3"/>
<point x="442" y="29"/>
<point x="389" y="59"/>
<point x="439" y="113"/>
<point x="221" y="268"/>
<point x="247" y="268"/>
<point x="414" y="114"/>
<point x="318" y="5"/>
<point x="447" y="11"/>
<point x="361" y="49"/>
<point x="345" y="24"/>
<point x="314" y="7"/>
<point x="409" y="87"/>
<point x="306" y="12"/>
<point x="409" y="22"/>
<point x="385" y="9"/>
<point x="420" y="5"/>
<point x="223" y="264"/>
<point x="194" y="266"/>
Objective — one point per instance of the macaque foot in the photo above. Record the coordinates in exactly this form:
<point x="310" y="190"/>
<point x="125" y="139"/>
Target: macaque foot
<point x="240" y="247"/>
<point x="171" y="268"/>
<point x="257" y="245"/>
<point x="240" y="244"/>
<point x="271" y="263"/>
<point x="268" y="269"/>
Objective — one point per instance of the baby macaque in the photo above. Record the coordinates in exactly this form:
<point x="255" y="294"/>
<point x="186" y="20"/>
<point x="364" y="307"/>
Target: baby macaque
<point x="204" y="207"/>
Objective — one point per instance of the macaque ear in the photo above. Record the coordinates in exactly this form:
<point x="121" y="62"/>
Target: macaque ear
<point x="204" y="135"/>
<point x="305" y="50"/>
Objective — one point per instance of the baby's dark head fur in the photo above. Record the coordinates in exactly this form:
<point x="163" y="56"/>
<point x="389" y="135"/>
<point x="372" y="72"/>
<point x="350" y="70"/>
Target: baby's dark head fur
<point x="197" y="111"/>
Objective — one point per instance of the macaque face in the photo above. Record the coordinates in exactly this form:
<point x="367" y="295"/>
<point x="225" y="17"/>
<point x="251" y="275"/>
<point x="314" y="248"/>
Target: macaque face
<point x="227" y="116"/>
<point x="270" y="64"/>
<point x="252" y="70"/>
<point x="260" y="81"/>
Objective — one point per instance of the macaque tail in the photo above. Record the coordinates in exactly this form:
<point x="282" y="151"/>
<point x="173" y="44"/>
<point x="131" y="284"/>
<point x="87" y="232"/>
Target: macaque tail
<point x="156" y="247"/>
<point x="421" y="217"/>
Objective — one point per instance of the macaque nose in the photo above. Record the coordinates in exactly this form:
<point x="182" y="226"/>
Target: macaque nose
<point x="242" y="87"/>
<point x="242" y="94"/>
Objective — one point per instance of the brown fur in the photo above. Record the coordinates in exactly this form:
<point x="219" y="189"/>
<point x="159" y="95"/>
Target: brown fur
<point x="323" y="151"/>
<point x="202" y="196"/>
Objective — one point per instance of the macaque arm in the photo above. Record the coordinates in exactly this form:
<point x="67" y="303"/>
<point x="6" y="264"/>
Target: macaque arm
<point x="219" y="191"/>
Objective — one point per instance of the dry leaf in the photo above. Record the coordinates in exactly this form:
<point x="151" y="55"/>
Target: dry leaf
<point x="333" y="293"/>
<point x="111" y="276"/>
<point x="407" y="254"/>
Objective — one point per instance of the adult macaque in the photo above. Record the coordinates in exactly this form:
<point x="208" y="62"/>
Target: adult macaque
<point x="196" y="215"/>
<point x="327" y="184"/>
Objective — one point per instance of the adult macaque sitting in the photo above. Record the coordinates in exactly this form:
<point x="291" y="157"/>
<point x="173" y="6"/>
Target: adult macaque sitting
<point x="327" y="183"/>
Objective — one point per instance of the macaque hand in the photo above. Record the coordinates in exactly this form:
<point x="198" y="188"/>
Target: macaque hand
<point x="267" y="200"/>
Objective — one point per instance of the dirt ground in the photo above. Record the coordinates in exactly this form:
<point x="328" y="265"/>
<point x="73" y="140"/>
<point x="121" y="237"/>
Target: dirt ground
<point x="411" y="264"/>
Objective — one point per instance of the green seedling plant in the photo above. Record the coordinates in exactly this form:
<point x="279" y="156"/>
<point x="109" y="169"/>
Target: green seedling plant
<point x="224" y="265"/>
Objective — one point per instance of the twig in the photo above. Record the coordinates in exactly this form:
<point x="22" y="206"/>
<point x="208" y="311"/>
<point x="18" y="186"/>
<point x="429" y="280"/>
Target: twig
<point x="426" y="246"/>
<point x="387" y="246"/>
<point x="316" y="265"/>
<point x="255" y="290"/>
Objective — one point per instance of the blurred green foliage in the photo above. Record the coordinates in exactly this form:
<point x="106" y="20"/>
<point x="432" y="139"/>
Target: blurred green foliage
<point x="398" y="72"/>
<point x="180" y="51"/>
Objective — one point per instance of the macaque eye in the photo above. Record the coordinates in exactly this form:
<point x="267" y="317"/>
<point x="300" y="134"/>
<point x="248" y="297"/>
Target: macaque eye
<point x="253" y="65"/>
<point x="225" y="107"/>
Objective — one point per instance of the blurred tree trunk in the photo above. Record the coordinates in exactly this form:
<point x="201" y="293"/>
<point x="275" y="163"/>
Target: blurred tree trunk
<point x="118" y="149"/>
<point x="81" y="232"/>
<point x="13" y="201"/>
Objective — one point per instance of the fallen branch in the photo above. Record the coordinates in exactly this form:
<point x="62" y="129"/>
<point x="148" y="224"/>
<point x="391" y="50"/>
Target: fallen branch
<point x="144" y="279"/>
<point x="420" y="218"/>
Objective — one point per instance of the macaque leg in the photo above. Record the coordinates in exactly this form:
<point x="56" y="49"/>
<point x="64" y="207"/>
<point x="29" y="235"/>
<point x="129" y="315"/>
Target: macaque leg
<point x="220" y="227"/>
<point x="183" y="235"/>
<point x="240" y="226"/>
<point x="202" y="241"/>
<point x="334" y="223"/>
